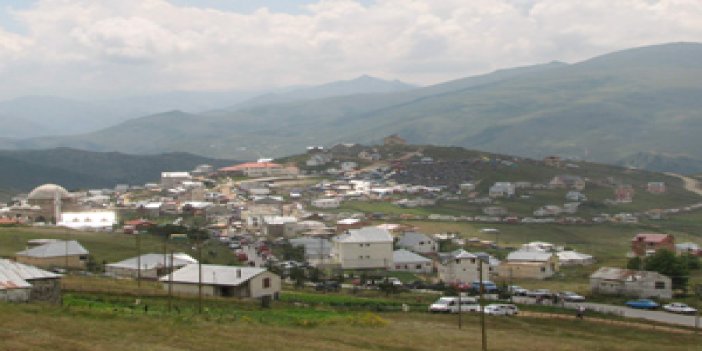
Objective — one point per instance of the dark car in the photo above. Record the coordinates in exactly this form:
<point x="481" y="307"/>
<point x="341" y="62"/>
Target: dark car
<point x="328" y="285"/>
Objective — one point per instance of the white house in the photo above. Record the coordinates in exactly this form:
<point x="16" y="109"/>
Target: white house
<point x="96" y="220"/>
<point x="173" y="179"/>
<point x="364" y="248"/>
<point x="502" y="189"/>
<point x="408" y="261"/>
<point x="327" y="203"/>
<point x="225" y="281"/>
<point x="461" y="266"/>
<point x="417" y="242"/>
<point x="642" y="284"/>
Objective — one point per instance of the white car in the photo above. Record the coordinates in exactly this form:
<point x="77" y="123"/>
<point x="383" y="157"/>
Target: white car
<point x="678" y="307"/>
<point x="449" y="304"/>
<point x="501" y="309"/>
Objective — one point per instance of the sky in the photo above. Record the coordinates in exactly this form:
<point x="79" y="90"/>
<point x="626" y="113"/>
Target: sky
<point x="107" y="48"/>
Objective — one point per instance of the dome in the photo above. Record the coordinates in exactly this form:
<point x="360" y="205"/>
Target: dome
<point x="48" y="192"/>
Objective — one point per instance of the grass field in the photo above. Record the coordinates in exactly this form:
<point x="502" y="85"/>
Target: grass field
<point x="107" y="247"/>
<point x="110" y="323"/>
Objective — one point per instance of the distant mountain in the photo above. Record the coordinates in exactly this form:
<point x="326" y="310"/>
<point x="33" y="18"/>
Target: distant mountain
<point x="362" y="85"/>
<point x="663" y="163"/>
<point x="604" y="109"/>
<point x="23" y="170"/>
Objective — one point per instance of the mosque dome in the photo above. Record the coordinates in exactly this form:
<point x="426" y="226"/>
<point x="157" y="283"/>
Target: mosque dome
<point x="48" y="192"/>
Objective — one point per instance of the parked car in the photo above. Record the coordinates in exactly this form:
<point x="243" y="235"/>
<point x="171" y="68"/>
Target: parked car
<point x="540" y="293"/>
<point x="645" y="304"/>
<point x="679" y="307"/>
<point x="570" y="296"/>
<point x="328" y="285"/>
<point x="449" y="304"/>
<point x="501" y="309"/>
<point x="488" y="286"/>
<point x="517" y="290"/>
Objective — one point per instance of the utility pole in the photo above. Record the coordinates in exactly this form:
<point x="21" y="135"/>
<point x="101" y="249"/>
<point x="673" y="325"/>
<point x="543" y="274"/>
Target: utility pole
<point x="170" y="284"/>
<point x="482" y="306"/>
<point x="460" y="315"/>
<point x="138" y="247"/>
<point x="199" y="275"/>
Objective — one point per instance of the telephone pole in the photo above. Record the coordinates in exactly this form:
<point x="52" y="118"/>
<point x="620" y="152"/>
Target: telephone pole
<point x="138" y="247"/>
<point x="199" y="275"/>
<point x="482" y="306"/>
<point x="170" y="284"/>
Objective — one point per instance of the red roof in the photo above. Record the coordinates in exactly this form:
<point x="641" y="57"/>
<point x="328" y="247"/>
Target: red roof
<point x="250" y="165"/>
<point x="139" y="222"/>
<point x="8" y="221"/>
<point x="650" y="238"/>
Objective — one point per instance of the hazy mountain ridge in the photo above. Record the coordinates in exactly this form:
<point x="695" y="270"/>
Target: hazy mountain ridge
<point x="605" y="109"/>
<point x="25" y="169"/>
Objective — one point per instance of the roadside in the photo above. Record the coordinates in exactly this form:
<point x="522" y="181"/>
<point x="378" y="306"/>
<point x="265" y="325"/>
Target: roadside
<point x="690" y="184"/>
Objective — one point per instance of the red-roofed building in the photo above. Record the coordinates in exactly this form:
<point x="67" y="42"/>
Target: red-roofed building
<point x="260" y="169"/>
<point x="646" y="244"/>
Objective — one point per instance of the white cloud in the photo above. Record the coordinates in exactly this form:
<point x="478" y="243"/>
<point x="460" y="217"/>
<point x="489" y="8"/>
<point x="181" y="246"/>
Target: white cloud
<point x="118" y="47"/>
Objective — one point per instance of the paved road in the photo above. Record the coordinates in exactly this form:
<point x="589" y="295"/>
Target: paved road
<point x="623" y="311"/>
<point x="690" y="184"/>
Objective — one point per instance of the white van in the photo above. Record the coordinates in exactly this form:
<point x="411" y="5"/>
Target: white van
<point x="449" y="304"/>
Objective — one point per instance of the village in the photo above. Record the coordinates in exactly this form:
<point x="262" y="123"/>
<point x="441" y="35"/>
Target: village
<point x="288" y="223"/>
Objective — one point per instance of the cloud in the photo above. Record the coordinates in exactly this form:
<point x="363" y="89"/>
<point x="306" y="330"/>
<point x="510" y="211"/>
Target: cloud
<point x="133" y="46"/>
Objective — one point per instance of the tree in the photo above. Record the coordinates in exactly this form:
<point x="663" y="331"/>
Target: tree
<point x="634" y="263"/>
<point x="665" y="262"/>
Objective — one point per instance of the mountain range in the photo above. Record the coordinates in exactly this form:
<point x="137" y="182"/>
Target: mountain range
<point x="23" y="170"/>
<point x="608" y="109"/>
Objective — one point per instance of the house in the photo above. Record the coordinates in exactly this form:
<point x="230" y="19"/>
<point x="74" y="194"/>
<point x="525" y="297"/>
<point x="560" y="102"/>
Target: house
<point x="394" y="140"/>
<point x="364" y="248"/>
<point x="260" y="169"/>
<point x="95" y="220"/>
<point x="627" y="282"/>
<point x="417" y="242"/>
<point x="152" y="265"/>
<point x="223" y="281"/>
<point x="461" y="266"/>
<point x="318" y="159"/>
<point x="502" y="189"/>
<point x="688" y="249"/>
<point x="624" y="193"/>
<point x="646" y="244"/>
<point x="529" y="265"/>
<point x="345" y="224"/>
<point x="57" y="253"/>
<point x="567" y="182"/>
<point x="656" y="187"/>
<point x="552" y="161"/>
<point x="24" y="283"/>
<point x="408" y="261"/>
<point x="348" y="166"/>
<point x="327" y="202"/>
<point x="173" y="179"/>
<point x="317" y="250"/>
<point x="495" y="211"/>
<point x="574" y="258"/>
<point x="575" y="196"/>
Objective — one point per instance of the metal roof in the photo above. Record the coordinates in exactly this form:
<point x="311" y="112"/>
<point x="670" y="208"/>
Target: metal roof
<point x="214" y="274"/>
<point x="404" y="256"/>
<point x="413" y="238"/>
<point x="154" y="260"/>
<point x="57" y="248"/>
<point x="531" y="256"/>
<point x="14" y="275"/>
<point x="365" y="235"/>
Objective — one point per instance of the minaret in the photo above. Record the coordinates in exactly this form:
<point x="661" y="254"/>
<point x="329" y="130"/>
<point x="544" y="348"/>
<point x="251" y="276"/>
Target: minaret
<point x="57" y="206"/>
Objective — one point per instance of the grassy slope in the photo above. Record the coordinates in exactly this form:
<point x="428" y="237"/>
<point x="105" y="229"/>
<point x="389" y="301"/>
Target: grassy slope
<point x="79" y="328"/>
<point x="108" y="247"/>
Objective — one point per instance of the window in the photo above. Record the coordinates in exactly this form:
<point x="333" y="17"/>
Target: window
<point x="660" y="285"/>
<point x="266" y="283"/>
<point x="397" y="266"/>
<point x="543" y="269"/>
<point x="419" y="266"/>
<point x="360" y="257"/>
<point x="360" y="245"/>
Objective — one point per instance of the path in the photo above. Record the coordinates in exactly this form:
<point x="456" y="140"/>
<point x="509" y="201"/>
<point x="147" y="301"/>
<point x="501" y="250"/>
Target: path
<point x="642" y="326"/>
<point x="690" y="184"/>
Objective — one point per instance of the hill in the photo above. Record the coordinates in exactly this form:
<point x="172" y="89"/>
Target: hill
<point x="26" y="169"/>
<point x="362" y="85"/>
<point x="605" y="109"/>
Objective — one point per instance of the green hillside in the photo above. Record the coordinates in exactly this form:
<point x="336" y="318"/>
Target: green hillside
<point x="604" y="109"/>
<point x="24" y="170"/>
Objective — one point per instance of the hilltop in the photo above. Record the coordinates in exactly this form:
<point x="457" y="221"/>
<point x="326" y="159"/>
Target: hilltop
<point x="604" y="109"/>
